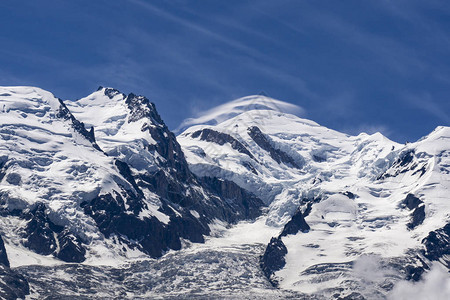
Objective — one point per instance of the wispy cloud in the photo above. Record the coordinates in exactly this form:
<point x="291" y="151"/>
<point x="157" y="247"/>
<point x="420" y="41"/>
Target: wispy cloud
<point x="250" y="58"/>
<point x="198" y="28"/>
<point x="425" y="102"/>
<point x="434" y="285"/>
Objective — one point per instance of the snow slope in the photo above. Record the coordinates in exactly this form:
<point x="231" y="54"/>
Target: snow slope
<point x="44" y="159"/>
<point x="351" y="189"/>
<point x="100" y="180"/>
<point x="317" y="157"/>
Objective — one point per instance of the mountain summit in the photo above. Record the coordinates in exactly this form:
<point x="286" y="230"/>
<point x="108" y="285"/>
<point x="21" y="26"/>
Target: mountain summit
<point x="343" y="201"/>
<point x="236" y="107"/>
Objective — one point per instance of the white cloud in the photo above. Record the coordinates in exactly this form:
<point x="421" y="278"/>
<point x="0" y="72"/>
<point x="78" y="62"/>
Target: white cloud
<point x="435" y="285"/>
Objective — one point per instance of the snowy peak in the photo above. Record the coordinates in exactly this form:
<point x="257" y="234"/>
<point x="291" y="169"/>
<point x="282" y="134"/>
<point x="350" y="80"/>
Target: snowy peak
<point x="267" y="150"/>
<point x="26" y="98"/>
<point x="123" y="119"/>
<point x="347" y="197"/>
<point x="239" y="106"/>
<point x="110" y="92"/>
<point x="118" y="104"/>
<point x="34" y="108"/>
<point x="130" y="195"/>
<point x="435" y="142"/>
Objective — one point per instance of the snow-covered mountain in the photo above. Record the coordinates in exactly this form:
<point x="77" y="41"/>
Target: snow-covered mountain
<point x="359" y="212"/>
<point x="98" y="198"/>
<point x="100" y="180"/>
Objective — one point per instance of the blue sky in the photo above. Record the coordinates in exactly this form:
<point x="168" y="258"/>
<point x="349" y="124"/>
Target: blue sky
<point x="352" y="65"/>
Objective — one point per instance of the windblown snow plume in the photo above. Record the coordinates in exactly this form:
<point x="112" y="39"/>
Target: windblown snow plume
<point x="231" y="109"/>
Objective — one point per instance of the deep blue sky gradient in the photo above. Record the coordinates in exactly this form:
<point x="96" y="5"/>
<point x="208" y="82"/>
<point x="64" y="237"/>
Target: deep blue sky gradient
<point x="352" y="65"/>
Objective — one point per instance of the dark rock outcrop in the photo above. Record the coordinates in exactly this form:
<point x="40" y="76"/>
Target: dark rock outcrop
<point x="147" y="234"/>
<point x="350" y="195"/>
<point x="265" y="143"/>
<point x="417" y="217"/>
<point x="405" y="162"/>
<point x="236" y="198"/>
<point x="70" y="247"/>
<point x="414" y="273"/>
<point x="40" y="230"/>
<point x="12" y="284"/>
<point x="405" y="159"/>
<point x="110" y="92"/>
<point x="437" y="244"/>
<point x="140" y="107"/>
<point x="3" y="167"/>
<point x="221" y="138"/>
<point x="45" y="237"/>
<point x="411" y="202"/>
<point x="64" y="113"/>
<point x="125" y="171"/>
<point x="3" y="256"/>
<point x="273" y="259"/>
<point x="296" y="224"/>
<point x="227" y="202"/>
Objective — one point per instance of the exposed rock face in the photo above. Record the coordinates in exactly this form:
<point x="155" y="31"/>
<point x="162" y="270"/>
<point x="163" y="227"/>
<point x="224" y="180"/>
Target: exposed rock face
<point x="221" y="138"/>
<point x="3" y="256"/>
<point x="417" y="217"/>
<point x="411" y="202"/>
<point x="405" y="162"/>
<point x="12" y="284"/>
<point x="265" y="143"/>
<point x="78" y="126"/>
<point x="110" y="92"/>
<point x="147" y="234"/>
<point x="414" y="273"/>
<point x="406" y="158"/>
<point x="70" y="247"/>
<point x="228" y="202"/>
<point x="296" y="224"/>
<point x="239" y="200"/>
<point x="437" y="244"/>
<point x="45" y="237"/>
<point x="140" y="107"/>
<point x="273" y="259"/>
<point x="3" y="161"/>
<point x="40" y="231"/>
